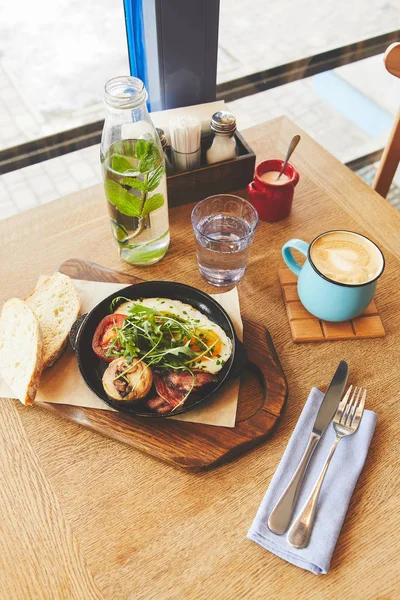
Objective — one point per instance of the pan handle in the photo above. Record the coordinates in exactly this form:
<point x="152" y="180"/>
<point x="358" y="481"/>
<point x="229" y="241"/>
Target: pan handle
<point x="75" y="331"/>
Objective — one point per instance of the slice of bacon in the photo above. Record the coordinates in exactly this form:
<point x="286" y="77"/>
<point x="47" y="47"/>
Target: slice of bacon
<point x="185" y="380"/>
<point x="159" y="405"/>
<point x="173" y="386"/>
<point x="173" y="394"/>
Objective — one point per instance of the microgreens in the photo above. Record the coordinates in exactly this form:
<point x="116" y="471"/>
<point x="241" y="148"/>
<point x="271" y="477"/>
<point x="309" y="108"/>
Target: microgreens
<point x="158" y="338"/>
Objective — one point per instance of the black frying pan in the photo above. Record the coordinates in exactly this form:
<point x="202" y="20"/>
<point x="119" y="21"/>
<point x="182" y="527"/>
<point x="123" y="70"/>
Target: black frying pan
<point x="92" y="367"/>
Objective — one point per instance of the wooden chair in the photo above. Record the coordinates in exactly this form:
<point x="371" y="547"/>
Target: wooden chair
<point x="391" y="154"/>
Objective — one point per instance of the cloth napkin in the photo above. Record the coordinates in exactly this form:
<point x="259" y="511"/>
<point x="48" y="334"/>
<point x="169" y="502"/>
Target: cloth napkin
<point x="338" y="486"/>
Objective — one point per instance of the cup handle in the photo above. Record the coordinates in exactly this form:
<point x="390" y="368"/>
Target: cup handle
<point x="288" y="256"/>
<point x="254" y="193"/>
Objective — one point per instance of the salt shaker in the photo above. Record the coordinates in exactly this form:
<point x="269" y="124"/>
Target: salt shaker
<point x="223" y="147"/>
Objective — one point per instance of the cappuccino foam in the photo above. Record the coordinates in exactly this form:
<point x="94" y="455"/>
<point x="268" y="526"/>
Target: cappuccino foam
<point x="346" y="257"/>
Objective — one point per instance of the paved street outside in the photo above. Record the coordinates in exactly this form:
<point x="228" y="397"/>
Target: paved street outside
<point x="48" y="180"/>
<point x="55" y="58"/>
<point x="255" y="35"/>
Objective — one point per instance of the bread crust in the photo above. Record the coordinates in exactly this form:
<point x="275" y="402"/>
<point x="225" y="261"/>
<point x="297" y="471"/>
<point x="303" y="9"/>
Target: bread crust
<point x="56" y="355"/>
<point x="33" y="385"/>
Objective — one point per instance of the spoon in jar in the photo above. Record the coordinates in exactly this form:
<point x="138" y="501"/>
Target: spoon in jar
<point x="291" y="149"/>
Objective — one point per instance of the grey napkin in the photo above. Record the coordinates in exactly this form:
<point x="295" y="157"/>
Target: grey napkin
<point x="342" y="475"/>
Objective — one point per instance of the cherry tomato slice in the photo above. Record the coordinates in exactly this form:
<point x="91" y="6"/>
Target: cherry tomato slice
<point x="105" y="334"/>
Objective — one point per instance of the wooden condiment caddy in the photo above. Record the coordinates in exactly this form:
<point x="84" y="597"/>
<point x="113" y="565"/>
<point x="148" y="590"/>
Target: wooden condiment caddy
<point x="218" y="178"/>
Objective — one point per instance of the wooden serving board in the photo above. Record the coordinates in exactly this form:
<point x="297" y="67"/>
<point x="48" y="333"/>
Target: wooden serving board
<point x="191" y="446"/>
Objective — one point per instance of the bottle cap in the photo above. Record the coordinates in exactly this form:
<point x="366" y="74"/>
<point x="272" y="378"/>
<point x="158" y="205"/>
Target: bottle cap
<point x="223" y="122"/>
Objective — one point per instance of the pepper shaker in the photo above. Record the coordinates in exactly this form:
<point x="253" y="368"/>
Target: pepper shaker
<point x="223" y="147"/>
<point x="165" y="147"/>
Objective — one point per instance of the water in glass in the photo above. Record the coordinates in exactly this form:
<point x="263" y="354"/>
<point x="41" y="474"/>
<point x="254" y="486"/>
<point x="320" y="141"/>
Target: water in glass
<point x="223" y="239"/>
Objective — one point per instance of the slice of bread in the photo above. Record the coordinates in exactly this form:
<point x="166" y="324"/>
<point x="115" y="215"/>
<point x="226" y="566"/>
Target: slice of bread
<point x="21" y="349"/>
<point x="56" y="304"/>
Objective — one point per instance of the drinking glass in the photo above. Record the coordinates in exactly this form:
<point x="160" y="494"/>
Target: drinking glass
<point x="224" y="227"/>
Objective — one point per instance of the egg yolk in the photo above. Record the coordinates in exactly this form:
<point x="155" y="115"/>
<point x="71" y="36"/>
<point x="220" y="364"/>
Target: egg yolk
<point x="210" y="339"/>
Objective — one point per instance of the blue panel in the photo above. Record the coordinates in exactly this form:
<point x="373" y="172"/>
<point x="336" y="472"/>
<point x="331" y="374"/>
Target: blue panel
<point x="136" y="41"/>
<point x="352" y="104"/>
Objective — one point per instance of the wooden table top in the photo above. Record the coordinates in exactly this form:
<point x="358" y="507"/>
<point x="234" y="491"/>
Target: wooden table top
<point x="87" y="517"/>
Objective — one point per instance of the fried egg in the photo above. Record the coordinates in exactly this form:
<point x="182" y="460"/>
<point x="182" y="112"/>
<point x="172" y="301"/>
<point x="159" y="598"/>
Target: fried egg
<point x="206" y="332"/>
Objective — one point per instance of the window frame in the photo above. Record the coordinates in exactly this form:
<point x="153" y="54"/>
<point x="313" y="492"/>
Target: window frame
<point x="152" y="58"/>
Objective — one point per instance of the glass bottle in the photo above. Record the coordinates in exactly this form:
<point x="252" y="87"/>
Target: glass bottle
<point x="223" y="147"/>
<point x="134" y="176"/>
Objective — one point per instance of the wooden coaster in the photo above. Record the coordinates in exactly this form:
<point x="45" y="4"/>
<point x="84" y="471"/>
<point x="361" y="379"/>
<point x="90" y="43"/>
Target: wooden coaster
<point x="307" y="328"/>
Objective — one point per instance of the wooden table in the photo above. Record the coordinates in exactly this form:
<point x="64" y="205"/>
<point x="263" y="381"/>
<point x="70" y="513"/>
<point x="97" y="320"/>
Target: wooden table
<point x="85" y="517"/>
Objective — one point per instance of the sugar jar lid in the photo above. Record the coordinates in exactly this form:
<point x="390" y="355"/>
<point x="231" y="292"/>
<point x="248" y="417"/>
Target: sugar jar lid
<point x="223" y="122"/>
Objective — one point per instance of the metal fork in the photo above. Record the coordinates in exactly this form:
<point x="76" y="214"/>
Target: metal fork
<point x="345" y="422"/>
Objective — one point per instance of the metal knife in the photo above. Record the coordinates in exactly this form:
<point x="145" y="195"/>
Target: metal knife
<point x="281" y="515"/>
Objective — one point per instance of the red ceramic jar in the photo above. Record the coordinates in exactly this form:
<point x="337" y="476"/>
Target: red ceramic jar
<point x="272" y="201"/>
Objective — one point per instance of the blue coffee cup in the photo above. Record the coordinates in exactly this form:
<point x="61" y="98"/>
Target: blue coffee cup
<point x="325" y="298"/>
